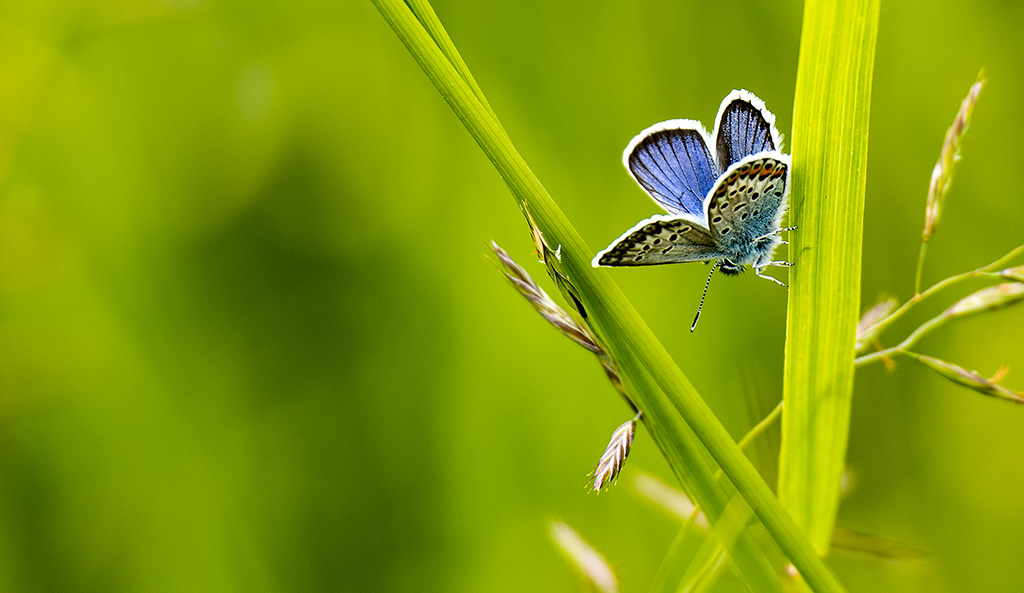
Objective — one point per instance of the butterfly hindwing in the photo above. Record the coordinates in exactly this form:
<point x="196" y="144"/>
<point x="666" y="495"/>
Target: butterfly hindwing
<point x="749" y="200"/>
<point x="660" y="240"/>
<point x="672" y="162"/>
<point x="744" y="127"/>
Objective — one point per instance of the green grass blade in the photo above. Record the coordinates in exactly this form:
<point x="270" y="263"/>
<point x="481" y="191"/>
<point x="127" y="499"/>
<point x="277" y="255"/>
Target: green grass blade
<point x="428" y="18"/>
<point x="660" y="389"/>
<point x="829" y="141"/>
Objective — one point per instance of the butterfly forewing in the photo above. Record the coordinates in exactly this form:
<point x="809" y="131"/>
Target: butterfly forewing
<point x="660" y="240"/>
<point x="743" y="127"/>
<point x="749" y="199"/>
<point x="672" y="162"/>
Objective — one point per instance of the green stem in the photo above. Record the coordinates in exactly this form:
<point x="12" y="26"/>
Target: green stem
<point x="982" y="272"/>
<point x="920" y="266"/>
<point x="758" y="428"/>
<point x="712" y="549"/>
<point x="912" y="339"/>
<point x="425" y="14"/>
<point x="705" y="575"/>
<point x="629" y="340"/>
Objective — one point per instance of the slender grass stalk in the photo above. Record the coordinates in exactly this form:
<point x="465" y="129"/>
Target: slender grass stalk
<point x="988" y="271"/>
<point x="428" y="18"/>
<point x="682" y="554"/>
<point x="924" y="329"/>
<point x="684" y="569"/>
<point x="919" y="272"/>
<point x="830" y="137"/>
<point x="942" y="173"/>
<point x="986" y="299"/>
<point x="661" y="390"/>
<point x="761" y="426"/>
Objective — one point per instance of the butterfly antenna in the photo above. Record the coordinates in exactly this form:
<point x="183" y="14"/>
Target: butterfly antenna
<point x="702" y="296"/>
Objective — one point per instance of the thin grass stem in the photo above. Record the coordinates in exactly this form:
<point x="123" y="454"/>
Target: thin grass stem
<point x="920" y="267"/>
<point x="982" y="272"/>
<point x="901" y="348"/>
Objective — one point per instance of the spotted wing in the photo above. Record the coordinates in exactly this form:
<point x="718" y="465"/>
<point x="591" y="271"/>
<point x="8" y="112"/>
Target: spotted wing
<point x="674" y="165"/>
<point x="660" y="240"/>
<point x="744" y="127"/>
<point x="749" y="200"/>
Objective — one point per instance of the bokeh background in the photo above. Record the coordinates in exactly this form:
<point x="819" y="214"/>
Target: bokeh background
<point x="250" y="339"/>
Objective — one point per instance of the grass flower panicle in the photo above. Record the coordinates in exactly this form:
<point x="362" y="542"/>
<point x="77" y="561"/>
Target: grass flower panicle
<point x="877" y="319"/>
<point x="942" y="173"/>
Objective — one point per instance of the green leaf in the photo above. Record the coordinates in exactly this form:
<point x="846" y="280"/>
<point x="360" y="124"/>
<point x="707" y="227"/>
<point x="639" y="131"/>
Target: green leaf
<point x="830" y="141"/>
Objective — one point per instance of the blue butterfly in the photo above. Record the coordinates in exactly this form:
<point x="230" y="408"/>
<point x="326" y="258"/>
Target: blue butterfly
<point x="725" y="200"/>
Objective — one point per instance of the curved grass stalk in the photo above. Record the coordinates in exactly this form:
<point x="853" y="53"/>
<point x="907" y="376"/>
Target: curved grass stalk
<point x="988" y="271"/>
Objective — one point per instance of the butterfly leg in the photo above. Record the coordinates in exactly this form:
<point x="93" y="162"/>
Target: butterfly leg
<point x="760" y="273"/>
<point x="781" y="264"/>
<point x="775" y="232"/>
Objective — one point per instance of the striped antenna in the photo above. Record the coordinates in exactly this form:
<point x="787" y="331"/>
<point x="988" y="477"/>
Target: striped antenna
<point x="701" y="305"/>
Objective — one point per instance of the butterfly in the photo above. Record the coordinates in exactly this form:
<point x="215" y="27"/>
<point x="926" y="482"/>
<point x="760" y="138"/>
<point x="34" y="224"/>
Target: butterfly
<point x="725" y="197"/>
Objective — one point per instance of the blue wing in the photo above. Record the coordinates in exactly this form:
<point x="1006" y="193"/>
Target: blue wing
<point x="673" y="164"/>
<point x="743" y="127"/>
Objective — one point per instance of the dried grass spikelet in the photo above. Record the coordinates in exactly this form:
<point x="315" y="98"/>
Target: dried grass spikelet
<point x="971" y="379"/>
<point x="614" y="456"/>
<point x="942" y="174"/>
<point x="867" y="330"/>
<point x="672" y="500"/>
<point x="1015" y="273"/>
<point x="589" y="562"/>
<point x="543" y="303"/>
<point x="555" y="315"/>
<point x="987" y="299"/>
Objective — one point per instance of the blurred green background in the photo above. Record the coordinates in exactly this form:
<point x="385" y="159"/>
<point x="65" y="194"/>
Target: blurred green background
<point x="250" y="339"/>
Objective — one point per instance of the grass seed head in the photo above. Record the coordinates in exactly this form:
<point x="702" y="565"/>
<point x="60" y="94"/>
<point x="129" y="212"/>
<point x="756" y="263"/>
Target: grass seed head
<point x="942" y="174"/>
<point x="589" y="562"/>
<point x="987" y="299"/>
<point x="614" y="457"/>
<point x="971" y="379"/>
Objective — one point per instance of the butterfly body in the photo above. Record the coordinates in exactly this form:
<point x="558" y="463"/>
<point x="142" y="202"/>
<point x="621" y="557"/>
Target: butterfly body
<point x="725" y="199"/>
